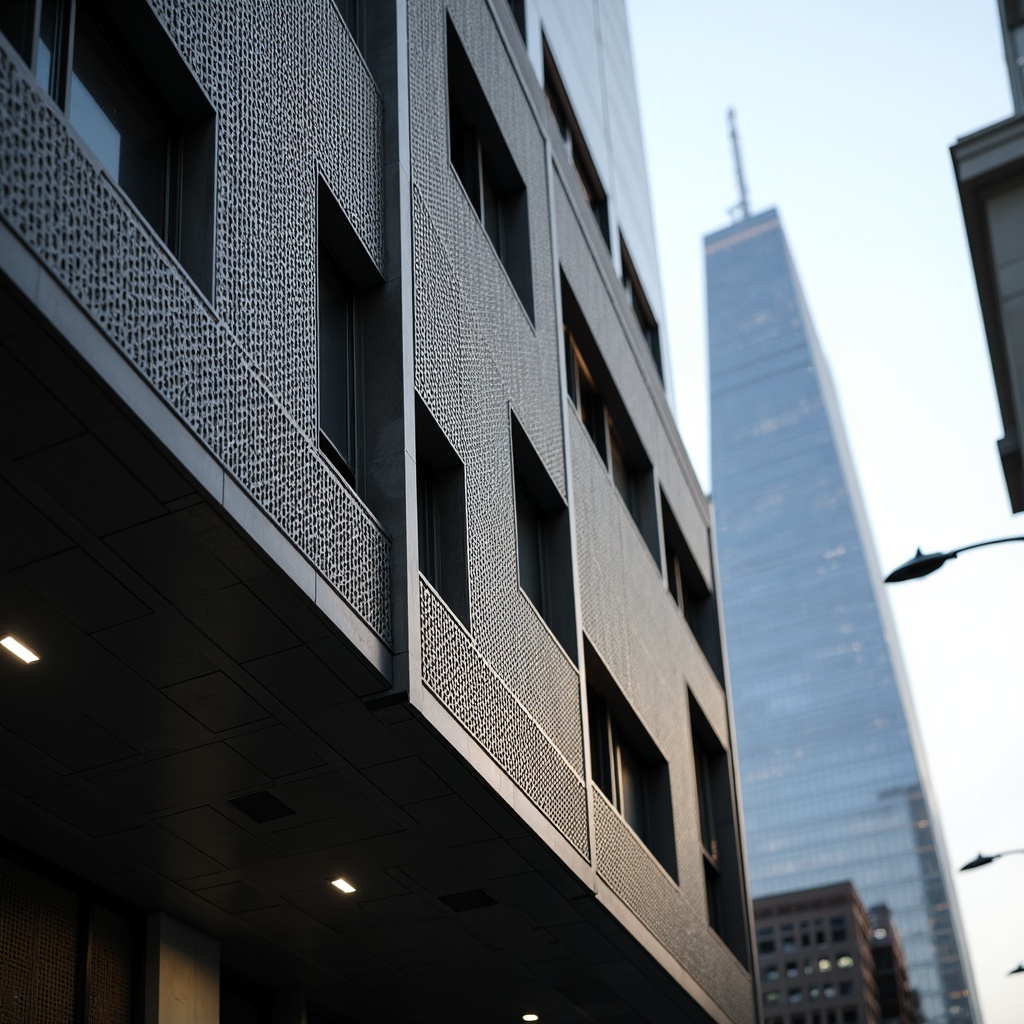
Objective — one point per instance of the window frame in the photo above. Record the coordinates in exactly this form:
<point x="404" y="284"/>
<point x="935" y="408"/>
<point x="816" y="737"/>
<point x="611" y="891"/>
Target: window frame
<point x="576" y="148"/>
<point x="487" y="171"/>
<point x="641" y="307"/>
<point x="146" y="62"/>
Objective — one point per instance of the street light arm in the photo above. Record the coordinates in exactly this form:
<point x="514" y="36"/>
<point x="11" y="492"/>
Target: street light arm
<point x="982" y="859"/>
<point x="922" y="564"/>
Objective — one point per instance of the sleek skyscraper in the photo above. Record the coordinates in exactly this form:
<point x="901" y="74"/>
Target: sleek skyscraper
<point x="832" y="779"/>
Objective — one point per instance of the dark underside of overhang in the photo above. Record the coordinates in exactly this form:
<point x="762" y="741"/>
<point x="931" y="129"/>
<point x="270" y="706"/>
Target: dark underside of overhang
<point x="181" y="673"/>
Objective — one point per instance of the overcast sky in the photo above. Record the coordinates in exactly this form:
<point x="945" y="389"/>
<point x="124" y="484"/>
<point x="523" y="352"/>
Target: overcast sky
<point x="846" y="114"/>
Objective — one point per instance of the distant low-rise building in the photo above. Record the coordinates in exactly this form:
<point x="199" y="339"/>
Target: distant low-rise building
<point x="818" y="956"/>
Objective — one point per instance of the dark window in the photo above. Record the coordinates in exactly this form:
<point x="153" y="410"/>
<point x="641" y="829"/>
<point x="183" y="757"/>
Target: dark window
<point x="488" y="173"/>
<point x="690" y="592"/>
<point x="441" y="509"/>
<point x="336" y="375"/>
<point x="641" y="307"/>
<point x="122" y="83"/>
<point x="718" y="837"/>
<point x="766" y="946"/>
<point x="353" y="14"/>
<point x="838" y="925"/>
<point x="850" y="1015"/>
<point x="575" y="146"/>
<point x="344" y="274"/>
<point x="846" y="988"/>
<point x="543" y="542"/>
<point x="17" y="18"/>
<point x="601" y="411"/>
<point x="626" y="764"/>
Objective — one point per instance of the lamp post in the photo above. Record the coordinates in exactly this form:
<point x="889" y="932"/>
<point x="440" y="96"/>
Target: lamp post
<point x="922" y="565"/>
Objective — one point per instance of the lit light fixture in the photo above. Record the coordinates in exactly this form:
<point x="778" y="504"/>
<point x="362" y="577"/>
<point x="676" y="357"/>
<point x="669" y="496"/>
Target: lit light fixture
<point x="530" y="1016"/>
<point x="19" y="650"/>
<point x="340" y="883"/>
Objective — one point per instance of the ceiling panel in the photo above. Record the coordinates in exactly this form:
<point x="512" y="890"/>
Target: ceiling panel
<point x="216" y="701"/>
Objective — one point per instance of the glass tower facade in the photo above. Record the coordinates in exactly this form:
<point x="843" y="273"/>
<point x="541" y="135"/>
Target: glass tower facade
<point x="833" y="784"/>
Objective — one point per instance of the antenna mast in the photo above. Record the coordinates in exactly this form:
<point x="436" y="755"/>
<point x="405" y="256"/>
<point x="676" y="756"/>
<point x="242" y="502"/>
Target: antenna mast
<point x="743" y="205"/>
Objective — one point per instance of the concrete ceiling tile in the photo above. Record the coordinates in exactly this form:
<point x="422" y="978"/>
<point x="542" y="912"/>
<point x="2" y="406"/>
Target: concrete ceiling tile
<point x="27" y="534"/>
<point x="236" y="897"/>
<point x="153" y="470"/>
<point x="86" y="811"/>
<point x="300" y="680"/>
<point x="218" y="837"/>
<point x="151" y="847"/>
<point x="348" y="666"/>
<point x="292" y="608"/>
<point x="81" y="589"/>
<point x="452" y="818"/>
<point x="31" y="418"/>
<point x="171" y="559"/>
<point x="276" y="751"/>
<point x="216" y="701"/>
<point x="157" y="648"/>
<point x="236" y="620"/>
<point x="289" y="927"/>
<point x="191" y="777"/>
<point x="83" y="475"/>
<point x="405" y="909"/>
<point x="493" y="858"/>
<point x="406" y="780"/>
<point x="357" y="736"/>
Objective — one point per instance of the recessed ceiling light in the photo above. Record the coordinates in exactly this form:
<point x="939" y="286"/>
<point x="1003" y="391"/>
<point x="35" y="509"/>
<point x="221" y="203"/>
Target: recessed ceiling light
<point x="340" y="883"/>
<point x="19" y="650"/>
<point x="530" y="1016"/>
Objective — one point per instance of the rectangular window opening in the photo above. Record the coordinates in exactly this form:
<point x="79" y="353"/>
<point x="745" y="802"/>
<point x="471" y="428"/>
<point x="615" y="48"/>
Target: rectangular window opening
<point x="575" y="146"/>
<point x="441" y="514"/>
<point x="626" y="764"/>
<point x="641" y="307"/>
<point x="718" y="837"/>
<point x="542" y="541"/>
<point x="596" y="401"/>
<point x="689" y="591"/>
<point x="126" y="91"/>
<point x="336" y="373"/>
<point x="485" y="167"/>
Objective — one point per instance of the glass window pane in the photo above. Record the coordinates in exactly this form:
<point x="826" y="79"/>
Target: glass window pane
<point x="118" y="122"/>
<point x="336" y="377"/>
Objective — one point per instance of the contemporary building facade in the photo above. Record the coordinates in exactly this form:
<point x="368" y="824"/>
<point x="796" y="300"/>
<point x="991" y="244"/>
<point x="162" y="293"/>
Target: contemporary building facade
<point x="814" y="957"/>
<point x="379" y="674"/>
<point x="833" y="784"/>
<point x="989" y="167"/>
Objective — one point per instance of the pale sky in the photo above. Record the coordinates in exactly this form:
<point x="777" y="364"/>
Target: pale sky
<point x="846" y="113"/>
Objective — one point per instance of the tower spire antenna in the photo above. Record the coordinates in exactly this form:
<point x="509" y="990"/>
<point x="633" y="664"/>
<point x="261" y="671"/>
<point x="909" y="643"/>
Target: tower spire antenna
<point x="743" y="206"/>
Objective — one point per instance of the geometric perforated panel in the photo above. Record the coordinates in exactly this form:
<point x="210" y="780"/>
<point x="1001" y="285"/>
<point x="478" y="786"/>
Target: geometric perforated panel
<point x="458" y="675"/>
<point x="242" y="374"/>
<point x="38" y="942"/>
<point x="110" y="967"/>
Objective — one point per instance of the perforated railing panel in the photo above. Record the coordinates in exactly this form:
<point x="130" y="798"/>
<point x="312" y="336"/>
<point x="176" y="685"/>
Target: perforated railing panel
<point x="458" y="675"/>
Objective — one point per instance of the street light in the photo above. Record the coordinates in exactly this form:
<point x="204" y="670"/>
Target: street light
<point x="922" y="565"/>
<point x="982" y="859"/>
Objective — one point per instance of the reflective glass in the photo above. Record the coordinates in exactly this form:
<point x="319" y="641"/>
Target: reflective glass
<point x="829" y="769"/>
<point x="118" y="122"/>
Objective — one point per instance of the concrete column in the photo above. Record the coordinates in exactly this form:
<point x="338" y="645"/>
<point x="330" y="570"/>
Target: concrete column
<point x="182" y="973"/>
